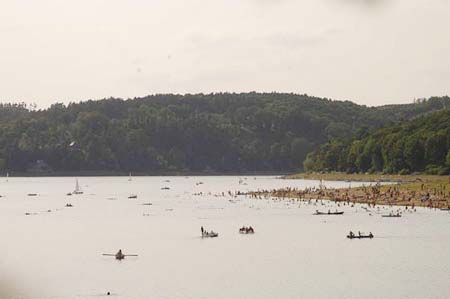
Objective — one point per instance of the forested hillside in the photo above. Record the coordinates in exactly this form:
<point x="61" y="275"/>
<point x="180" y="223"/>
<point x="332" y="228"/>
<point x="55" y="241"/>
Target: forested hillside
<point x="214" y="132"/>
<point x="422" y="144"/>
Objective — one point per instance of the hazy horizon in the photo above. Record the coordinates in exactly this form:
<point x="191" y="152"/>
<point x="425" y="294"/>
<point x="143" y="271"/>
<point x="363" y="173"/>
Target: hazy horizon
<point x="370" y="52"/>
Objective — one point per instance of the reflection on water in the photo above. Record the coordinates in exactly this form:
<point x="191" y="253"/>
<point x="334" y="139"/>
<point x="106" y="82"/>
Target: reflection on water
<point x="56" y="251"/>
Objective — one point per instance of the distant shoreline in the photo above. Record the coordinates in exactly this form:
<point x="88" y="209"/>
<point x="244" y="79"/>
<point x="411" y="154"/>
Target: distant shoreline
<point x="362" y="177"/>
<point x="137" y="174"/>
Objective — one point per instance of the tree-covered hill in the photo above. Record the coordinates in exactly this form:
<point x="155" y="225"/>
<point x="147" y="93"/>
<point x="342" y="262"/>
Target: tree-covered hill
<point x="421" y="144"/>
<point x="212" y="132"/>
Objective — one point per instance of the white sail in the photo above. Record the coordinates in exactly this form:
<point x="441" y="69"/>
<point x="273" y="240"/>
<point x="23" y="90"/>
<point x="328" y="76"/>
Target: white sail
<point x="129" y="177"/>
<point x="77" y="188"/>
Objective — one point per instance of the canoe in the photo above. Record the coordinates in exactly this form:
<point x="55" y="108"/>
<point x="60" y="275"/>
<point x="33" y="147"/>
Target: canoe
<point x="392" y="215"/>
<point x="331" y="213"/>
<point x="360" y="237"/>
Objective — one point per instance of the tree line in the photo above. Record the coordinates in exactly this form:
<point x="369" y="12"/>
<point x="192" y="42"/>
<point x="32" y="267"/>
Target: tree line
<point x="221" y="132"/>
<point x="418" y="145"/>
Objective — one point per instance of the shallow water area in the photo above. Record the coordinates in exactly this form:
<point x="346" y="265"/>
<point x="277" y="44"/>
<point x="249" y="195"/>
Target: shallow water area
<point x="56" y="251"/>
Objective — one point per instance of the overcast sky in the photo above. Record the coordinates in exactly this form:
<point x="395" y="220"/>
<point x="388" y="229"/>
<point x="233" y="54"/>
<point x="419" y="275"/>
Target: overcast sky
<point x="368" y="51"/>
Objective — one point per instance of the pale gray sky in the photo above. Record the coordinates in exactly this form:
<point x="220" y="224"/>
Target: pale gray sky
<point x="369" y="51"/>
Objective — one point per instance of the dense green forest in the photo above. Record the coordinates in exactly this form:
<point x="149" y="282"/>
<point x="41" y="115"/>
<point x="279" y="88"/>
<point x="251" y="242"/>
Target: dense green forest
<point x="222" y="132"/>
<point x="419" y="145"/>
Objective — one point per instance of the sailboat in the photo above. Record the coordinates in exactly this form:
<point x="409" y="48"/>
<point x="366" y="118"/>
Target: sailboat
<point x="77" y="188"/>
<point x="7" y="176"/>
<point x="129" y="178"/>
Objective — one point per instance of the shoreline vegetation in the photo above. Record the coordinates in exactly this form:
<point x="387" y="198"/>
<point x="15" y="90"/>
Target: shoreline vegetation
<point x="429" y="191"/>
<point x="217" y="132"/>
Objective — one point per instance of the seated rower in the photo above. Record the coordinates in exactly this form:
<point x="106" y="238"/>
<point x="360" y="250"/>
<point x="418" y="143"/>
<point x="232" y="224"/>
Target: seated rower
<point x="120" y="255"/>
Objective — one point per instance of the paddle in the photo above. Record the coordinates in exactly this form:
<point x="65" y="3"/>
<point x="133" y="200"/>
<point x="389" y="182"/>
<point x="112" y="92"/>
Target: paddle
<point x="109" y="254"/>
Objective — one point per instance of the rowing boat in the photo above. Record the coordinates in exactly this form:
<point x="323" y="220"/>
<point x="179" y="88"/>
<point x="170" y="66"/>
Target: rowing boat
<point x="209" y="235"/>
<point x="328" y="213"/>
<point x="369" y="236"/>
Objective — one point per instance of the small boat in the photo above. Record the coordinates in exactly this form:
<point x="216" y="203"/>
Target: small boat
<point x="165" y="188"/>
<point x="199" y="183"/>
<point x="392" y="215"/>
<point x="328" y="213"/>
<point x="359" y="236"/>
<point x="69" y="194"/>
<point x="77" y="188"/>
<point x="69" y="205"/>
<point x="210" y="234"/>
<point x="119" y="255"/>
<point x="132" y="196"/>
<point x="32" y="194"/>
<point x="446" y="209"/>
<point x="246" y="230"/>
<point x="147" y="204"/>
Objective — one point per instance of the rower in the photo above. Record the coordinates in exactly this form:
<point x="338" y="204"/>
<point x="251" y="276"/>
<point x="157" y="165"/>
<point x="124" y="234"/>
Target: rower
<point x="120" y="255"/>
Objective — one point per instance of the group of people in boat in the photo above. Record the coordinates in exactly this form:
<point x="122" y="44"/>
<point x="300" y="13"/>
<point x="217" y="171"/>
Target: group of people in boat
<point x="242" y="230"/>
<point x="120" y="255"/>
<point x="206" y="234"/>
<point x="246" y="230"/>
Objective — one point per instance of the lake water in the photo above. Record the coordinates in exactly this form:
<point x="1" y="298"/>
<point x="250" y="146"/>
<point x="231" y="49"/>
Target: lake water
<point x="293" y="254"/>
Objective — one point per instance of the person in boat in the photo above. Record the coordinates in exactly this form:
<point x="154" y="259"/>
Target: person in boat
<point x="203" y="230"/>
<point x="370" y="235"/>
<point x="250" y="229"/>
<point x="351" y="234"/>
<point x="329" y="212"/>
<point x="119" y="255"/>
<point x="359" y="233"/>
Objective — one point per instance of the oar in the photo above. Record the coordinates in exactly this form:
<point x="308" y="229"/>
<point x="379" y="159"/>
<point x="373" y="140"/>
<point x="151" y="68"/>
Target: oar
<point x="109" y="254"/>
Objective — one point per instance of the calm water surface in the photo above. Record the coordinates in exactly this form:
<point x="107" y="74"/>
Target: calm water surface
<point x="293" y="254"/>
